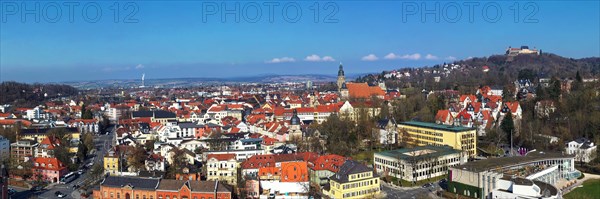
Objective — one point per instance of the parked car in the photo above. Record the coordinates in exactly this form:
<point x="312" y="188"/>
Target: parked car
<point x="60" y="194"/>
<point x="37" y="188"/>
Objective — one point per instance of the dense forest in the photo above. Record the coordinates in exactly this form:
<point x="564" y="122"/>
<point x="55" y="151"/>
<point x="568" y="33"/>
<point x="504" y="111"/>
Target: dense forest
<point x="30" y="95"/>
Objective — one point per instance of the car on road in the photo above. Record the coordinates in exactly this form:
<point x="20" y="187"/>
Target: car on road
<point x="37" y="188"/>
<point x="80" y="171"/>
<point x="60" y="194"/>
<point x="427" y="185"/>
<point x="76" y="186"/>
<point x="11" y="191"/>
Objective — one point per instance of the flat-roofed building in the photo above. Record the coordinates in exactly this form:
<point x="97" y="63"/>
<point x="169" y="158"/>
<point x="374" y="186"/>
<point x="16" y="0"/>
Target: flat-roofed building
<point x="23" y="150"/>
<point x="424" y="133"/>
<point x="530" y="176"/>
<point x="418" y="163"/>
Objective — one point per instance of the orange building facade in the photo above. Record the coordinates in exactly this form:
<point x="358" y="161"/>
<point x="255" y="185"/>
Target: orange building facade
<point x="147" y="188"/>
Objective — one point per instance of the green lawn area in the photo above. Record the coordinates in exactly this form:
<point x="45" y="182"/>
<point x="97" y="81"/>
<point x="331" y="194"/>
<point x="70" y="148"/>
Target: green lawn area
<point x="364" y="156"/>
<point x="590" y="189"/>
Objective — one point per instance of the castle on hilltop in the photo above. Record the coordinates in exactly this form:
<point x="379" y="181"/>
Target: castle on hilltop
<point x="523" y="50"/>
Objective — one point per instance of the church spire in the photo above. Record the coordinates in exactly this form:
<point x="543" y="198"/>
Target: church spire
<point x="341" y="80"/>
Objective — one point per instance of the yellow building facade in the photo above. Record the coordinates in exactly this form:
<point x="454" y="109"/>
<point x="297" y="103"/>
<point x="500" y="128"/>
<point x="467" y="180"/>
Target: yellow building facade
<point x="423" y="133"/>
<point x="354" y="180"/>
<point x="111" y="163"/>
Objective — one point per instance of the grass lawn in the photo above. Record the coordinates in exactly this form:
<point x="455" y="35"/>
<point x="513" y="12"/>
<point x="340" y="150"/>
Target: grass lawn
<point x="590" y="189"/>
<point x="364" y="156"/>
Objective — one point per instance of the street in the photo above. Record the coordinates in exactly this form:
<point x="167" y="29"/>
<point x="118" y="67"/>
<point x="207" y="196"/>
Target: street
<point x="409" y="192"/>
<point x="102" y="144"/>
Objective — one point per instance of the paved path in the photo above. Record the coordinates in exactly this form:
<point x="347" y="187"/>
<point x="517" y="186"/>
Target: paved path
<point x="393" y="191"/>
<point x="587" y="176"/>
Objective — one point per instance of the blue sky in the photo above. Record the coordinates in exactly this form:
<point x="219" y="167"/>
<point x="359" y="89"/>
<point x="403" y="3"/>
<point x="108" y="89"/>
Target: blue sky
<point x="190" y="39"/>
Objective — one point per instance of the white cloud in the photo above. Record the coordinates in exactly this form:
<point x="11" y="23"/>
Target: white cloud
<point x="370" y="57"/>
<point x="139" y="66"/>
<point x="391" y="56"/>
<point x="415" y="56"/>
<point x="431" y="57"/>
<point x="451" y="58"/>
<point x="328" y="58"/>
<point x="316" y="58"/>
<point x="281" y="60"/>
<point x="469" y="58"/>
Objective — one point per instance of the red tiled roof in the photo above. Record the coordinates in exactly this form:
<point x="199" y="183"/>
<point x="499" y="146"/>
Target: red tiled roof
<point x="363" y="90"/>
<point x="51" y="142"/>
<point x="513" y="106"/>
<point x="13" y="122"/>
<point x="294" y="172"/>
<point x="44" y="163"/>
<point x="330" y="162"/>
<point x="442" y="115"/>
<point x="221" y="157"/>
<point x="471" y="97"/>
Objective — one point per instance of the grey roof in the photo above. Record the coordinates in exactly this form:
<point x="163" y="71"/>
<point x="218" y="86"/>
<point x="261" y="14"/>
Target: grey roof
<point x="45" y="130"/>
<point x="252" y="140"/>
<point x="295" y="120"/>
<point x="155" y="114"/>
<point x="208" y="186"/>
<point x="382" y="123"/>
<point x="401" y="153"/>
<point x="494" y="163"/>
<point x="169" y="184"/>
<point x="135" y="183"/>
<point x="350" y="167"/>
<point x="189" y="125"/>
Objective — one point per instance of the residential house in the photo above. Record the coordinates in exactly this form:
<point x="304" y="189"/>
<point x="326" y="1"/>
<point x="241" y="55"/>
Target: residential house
<point x="48" y="169"/>
<point x="583" y="149"/>
<point x="354" y="180"/>
<point x="222" y="167"/>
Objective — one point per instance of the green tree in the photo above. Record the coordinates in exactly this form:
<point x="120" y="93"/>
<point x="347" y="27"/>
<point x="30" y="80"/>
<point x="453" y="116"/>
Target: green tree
<point x="541" y="92"/>
<point x="507" y="125"/>
<point x="88" y="141"/>
<point x="149" y="145"/>
<point x="179" y="162"/>
<point x="85" y="113"/>
<point x="137" y="157"/>
<point x="97" y="170"/>
<point x="341" y="135"/>
<point x="554" y="90"/>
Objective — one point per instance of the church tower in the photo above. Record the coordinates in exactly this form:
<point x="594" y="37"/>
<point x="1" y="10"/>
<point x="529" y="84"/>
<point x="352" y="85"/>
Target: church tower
<point x="341" y="78"/>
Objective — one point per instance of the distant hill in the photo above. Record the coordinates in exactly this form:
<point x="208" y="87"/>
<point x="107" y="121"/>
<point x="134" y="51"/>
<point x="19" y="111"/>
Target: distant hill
<point x="29" y="95"/>
<point x="544" y="65"/>
<point x="503" y="70"/>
